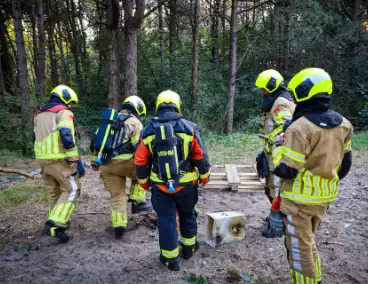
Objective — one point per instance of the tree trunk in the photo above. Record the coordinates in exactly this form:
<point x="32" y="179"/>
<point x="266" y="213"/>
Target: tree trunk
<point x="223" y="36"/>
<point x="52" y="53"/>
<point x="2" y="85"/>
<point x="5" y="57"/>
<point x="83" y="38"/>
<point x="114" y="97"/>
<point x="172" y="41"/>
<point x="130" y="80"/>
<point x="131" y="27"/>
<point x="161" y="35"/>
<point x="113" y="17"/>
<point x="215" y="33"/>
<point x="40" y="75"/>
<point x="286" y="42"/>
<point x="232" y="71"/>
<point x="22" y="63"/>
<point x="195" y="37"/>
<point x="74" y="46"/>
<point x="35" y="43"/>
<point x="64" y="67"/>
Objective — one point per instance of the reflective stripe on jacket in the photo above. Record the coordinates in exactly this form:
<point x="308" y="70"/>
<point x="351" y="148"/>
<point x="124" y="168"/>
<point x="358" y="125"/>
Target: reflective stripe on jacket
<point x="317" y="154"/>
<point x="193" y="151"/>
<point x="272" y="123"/>
<point x="55" y="134"/>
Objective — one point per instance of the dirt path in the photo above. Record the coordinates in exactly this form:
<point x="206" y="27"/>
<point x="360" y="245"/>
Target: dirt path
<point x="94" y="256"/>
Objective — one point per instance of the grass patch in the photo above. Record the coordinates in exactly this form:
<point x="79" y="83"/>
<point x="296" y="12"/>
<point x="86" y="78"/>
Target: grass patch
<point x="235" y="148"/>
<point x="8" y="157"/>
<point x="23" y="193"/>
<point x="360" y="141"/>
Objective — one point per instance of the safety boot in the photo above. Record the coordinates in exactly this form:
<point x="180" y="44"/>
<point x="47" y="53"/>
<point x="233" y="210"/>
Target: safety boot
<point x="51" y="230"/>
<point x="119" y="232"/>
<point x="188" y="251"/>
<point x="172" y="265"/>
<point x="140" y="206"/>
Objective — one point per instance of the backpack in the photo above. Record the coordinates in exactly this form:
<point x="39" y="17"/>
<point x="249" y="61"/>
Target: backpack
<point x="108" y="139"/>
<point x="165" y="152"/>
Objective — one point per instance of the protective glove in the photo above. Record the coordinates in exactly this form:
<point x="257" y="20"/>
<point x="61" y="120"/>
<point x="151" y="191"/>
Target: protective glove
<point x="80" y="169"/>
<point x="204" y="181"/>
<point x="145" y="185"/>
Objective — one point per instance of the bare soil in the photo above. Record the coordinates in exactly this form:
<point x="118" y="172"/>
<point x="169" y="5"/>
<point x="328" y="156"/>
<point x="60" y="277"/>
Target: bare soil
<point x="94" y="256"/>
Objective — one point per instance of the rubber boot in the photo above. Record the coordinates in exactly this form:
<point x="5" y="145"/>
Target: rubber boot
<point x="51" y="230"/>
<point x="275" y="224"/>
<point x="188" y="251"/>
<point x="172" y="265"/>
<point x="119" y="232"/>
<point x="138" y="207"/>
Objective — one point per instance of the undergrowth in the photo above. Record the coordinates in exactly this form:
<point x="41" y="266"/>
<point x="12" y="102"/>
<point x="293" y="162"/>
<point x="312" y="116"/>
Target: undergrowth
<point x="23" y="193"/>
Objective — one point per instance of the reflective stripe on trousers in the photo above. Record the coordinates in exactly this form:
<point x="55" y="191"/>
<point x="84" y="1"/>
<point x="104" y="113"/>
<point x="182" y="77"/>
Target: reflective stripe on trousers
<point x="137" y="193"/>
<point x="62" y="212"/>
<point x="118" y="219"/>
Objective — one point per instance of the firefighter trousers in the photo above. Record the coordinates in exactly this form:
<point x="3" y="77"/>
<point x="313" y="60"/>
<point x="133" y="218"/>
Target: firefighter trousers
<point x="301" y="222"/>
<point x="114" y="176"/>
<point x="270" y="187"/>
<point x="63" y="187"/>
<point x="167" y="206"/>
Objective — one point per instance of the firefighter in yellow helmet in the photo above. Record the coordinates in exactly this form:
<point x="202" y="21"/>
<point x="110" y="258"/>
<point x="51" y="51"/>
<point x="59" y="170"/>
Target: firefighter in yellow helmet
<point x="277" y="110"/>
<point x="114" y="174"/>
<point x="56" y="150"/>
<point x="172" y="160"/>
<point x="315" y="156"/>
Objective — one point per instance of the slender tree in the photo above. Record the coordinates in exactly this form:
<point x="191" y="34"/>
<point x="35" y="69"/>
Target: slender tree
<point x="22" y="64"/>
<point x="232" y="70"/>
<point x="195" y="49"/>
<point x="40" y="74"/>
<point x="132" y="24"/>
<point x="51" y="46"/>
<point x="173" y="37"/>
<point x="113" y="15"/>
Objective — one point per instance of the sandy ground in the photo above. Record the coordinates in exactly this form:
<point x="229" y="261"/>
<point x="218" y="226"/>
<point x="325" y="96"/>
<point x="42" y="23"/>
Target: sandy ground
<point x="94" y="256"/>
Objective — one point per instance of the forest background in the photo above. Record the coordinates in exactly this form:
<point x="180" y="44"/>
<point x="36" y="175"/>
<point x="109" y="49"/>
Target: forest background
<point x="208" y="51"/>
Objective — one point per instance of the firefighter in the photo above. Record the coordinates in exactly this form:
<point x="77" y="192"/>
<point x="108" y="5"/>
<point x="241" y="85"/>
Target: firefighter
<point x="56" y="150"/>
<point x="278" y="107"/>
<point x="114" y="174"/>
<point x="315" y="156"/>
<point x="171" y="159"/>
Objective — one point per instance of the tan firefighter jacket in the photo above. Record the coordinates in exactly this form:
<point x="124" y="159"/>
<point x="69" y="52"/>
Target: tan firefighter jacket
<point x="317" y="154"/>
<point x="55" y="134"/>
<point x="272" y="123"/>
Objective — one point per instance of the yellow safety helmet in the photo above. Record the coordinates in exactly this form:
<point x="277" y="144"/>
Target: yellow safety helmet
<point x="168" y="97"/>
<point x="269" y="80"/>
<point x="136" y="105"/>
<point x="310" y="82"/>
<point x="65" y="94"/>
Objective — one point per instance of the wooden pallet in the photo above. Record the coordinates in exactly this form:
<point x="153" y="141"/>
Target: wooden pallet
<point x="238" y="178"/>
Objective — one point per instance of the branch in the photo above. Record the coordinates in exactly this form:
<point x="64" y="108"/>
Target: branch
<point x="136" y="21"/>
<point x="151" y="11"/>
<point x="14" y="171"/>
<point x="345" y="10"/>
<point x="254" y="7"/>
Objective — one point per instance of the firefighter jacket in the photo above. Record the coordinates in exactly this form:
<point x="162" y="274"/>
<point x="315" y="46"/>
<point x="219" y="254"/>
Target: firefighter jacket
<point x="132" y="129"/>
<point x="54" y="133"/>
<point x="315" y="149"/>
<point x="275" y="116"/>
<point x="195" y="166"/>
